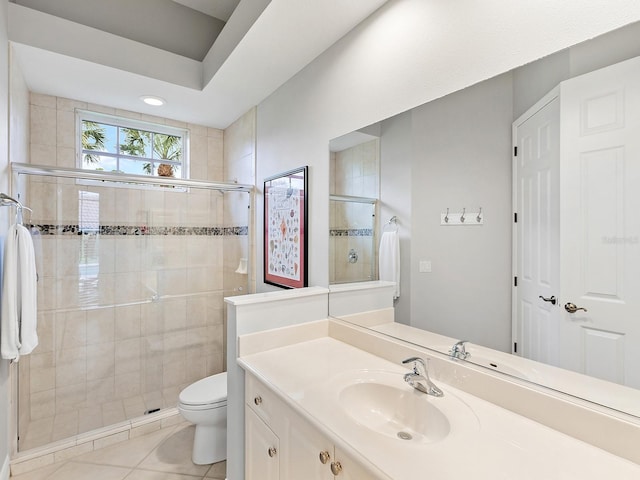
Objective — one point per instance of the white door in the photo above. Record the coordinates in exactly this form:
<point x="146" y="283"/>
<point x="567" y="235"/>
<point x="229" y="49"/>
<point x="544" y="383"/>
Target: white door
<point x="536" y="236"/>
<point x="600" y="218"/>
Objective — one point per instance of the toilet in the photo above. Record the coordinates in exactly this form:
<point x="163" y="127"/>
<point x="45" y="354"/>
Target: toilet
<point x="204" y="403"/>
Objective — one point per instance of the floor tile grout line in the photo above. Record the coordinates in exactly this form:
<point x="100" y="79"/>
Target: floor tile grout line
<point x="165" y="472"/>
<point x="170" y="431"/>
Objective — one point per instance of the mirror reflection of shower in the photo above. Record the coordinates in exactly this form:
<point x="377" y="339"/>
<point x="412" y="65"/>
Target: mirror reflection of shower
<point x="353" y="204"/>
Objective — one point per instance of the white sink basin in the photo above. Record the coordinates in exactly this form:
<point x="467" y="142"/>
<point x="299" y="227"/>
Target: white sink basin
<point x="378" y="405"/>
<point x="401" y="413"/>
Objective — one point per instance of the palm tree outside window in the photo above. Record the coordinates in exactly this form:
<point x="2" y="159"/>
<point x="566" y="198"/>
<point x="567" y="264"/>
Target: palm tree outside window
<point x="113" y="144"/>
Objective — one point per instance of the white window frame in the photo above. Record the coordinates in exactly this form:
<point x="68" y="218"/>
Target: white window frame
<point x="123" y="122"/>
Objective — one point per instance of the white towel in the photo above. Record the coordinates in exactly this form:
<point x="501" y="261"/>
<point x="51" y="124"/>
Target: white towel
<point x="389" y="260"/>
<point x="18" y="322"/>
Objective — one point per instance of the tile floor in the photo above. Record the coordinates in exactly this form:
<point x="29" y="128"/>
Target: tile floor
<point x="162" y="455"/>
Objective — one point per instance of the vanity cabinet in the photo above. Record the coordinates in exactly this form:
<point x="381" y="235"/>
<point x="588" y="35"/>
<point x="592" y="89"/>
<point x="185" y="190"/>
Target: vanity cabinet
<point x="311" y="455"/>
<point x="302" y="452"/>
<point x="262" y="449"/>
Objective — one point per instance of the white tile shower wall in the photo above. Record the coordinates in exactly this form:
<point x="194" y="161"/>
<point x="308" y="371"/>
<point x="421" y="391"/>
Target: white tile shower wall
<point x="107" y="351"/>
<point x="240" y="166"/>
<point x="356" y="170"/>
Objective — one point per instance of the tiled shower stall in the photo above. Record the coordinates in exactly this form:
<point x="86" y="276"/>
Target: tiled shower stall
<point x="131" y="281"/>
<point x="355" y="186"/>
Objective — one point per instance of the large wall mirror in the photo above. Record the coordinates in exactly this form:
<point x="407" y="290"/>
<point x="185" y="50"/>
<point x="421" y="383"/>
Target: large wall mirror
<point x="575" y="117"/>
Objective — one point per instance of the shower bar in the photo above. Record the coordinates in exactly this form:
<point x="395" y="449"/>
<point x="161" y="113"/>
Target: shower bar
<point x="348" y="198"/>
<point x="27" y="168"/>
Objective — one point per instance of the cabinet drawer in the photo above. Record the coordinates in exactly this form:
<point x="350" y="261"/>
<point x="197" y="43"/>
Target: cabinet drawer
<point x="262" y="401"/>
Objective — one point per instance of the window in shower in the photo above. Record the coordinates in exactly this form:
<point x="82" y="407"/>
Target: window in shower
<point x="113" y="144"/>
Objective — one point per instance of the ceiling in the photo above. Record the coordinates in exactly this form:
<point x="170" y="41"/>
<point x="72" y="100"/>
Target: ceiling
<point x="157" y="23"/>
<point x="211" y="60"/>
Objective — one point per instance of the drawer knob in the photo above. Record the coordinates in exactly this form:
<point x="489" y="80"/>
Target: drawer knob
<point x="257" y="400"/>
<point x="336" y="468"/>
<point x="324" y="457"/>
<point x="272" y="451"/>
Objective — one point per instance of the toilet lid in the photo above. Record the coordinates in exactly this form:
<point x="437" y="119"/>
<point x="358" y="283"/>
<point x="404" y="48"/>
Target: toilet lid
<point x="209" y="390"/>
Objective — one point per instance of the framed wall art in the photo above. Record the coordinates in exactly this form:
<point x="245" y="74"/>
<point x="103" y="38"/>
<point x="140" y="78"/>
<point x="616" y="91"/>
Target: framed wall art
<point x="285" y="229"/>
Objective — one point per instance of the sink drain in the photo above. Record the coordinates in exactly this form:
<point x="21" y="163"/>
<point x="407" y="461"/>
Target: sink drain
<point x="404" y="436"/>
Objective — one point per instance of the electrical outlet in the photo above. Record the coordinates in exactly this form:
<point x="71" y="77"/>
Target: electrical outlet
<point x="424" y="266"/>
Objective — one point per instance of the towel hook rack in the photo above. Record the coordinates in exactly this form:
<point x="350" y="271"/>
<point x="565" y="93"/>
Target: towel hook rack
<point x="449" y="218"/>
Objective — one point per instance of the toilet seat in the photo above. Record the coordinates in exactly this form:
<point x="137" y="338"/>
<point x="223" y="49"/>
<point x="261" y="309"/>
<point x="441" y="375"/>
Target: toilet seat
<point x="209" y="392"/>
<point x="205" y="406"/>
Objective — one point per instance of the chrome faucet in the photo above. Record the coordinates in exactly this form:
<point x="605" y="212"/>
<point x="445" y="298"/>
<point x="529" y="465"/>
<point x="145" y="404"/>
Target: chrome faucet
<point x="421" y="381"/>
<point x="459" y="350"/>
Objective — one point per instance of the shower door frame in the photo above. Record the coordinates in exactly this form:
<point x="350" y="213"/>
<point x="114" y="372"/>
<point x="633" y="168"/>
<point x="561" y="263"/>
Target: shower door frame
<point x="18" y="169"/>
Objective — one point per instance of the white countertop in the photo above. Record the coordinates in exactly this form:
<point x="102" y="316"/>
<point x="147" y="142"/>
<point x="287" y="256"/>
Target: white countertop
<point x="491" y="443"/>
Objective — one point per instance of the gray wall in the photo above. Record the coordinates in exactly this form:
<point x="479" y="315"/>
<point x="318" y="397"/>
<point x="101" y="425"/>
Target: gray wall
<point x="462" y="159"/>
<point x="396" y="155"/>
<point x="453" y="152"/>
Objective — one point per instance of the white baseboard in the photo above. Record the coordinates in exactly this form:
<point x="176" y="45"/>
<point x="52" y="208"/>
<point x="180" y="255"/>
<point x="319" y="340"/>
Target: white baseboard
<point x="4" y="472"/>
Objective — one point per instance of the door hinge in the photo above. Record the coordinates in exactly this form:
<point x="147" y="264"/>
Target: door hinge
<point x="515" y="347"/>
<point x="515" y="281"/>
<point x="515" y="217"/>
<point x="515" y="151"/>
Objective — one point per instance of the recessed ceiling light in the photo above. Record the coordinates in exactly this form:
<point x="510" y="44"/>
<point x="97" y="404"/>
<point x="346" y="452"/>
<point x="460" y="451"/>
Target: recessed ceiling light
<point x="151" y="100"/>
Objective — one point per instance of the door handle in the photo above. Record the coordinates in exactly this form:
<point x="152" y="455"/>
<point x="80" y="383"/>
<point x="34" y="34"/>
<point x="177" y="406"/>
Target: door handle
<point x="552" y="299"/>
<point x="572" y="308"/>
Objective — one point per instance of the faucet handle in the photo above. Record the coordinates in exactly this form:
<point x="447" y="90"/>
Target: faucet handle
<point x="415" y="361"/>
<point x="418" y="380"/>
<point x="459" y="350"/>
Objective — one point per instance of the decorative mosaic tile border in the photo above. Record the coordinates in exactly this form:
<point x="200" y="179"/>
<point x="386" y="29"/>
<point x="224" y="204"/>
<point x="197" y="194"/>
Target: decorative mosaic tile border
<point x="351" y="232"/>
<point x="117" y="230"/>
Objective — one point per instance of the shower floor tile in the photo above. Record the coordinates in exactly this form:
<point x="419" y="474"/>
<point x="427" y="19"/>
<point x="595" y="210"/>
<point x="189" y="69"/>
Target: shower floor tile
<point x="161" y="455"/>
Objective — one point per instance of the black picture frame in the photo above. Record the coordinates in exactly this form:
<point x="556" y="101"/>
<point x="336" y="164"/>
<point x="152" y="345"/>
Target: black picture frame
<point x="285" y="259"/>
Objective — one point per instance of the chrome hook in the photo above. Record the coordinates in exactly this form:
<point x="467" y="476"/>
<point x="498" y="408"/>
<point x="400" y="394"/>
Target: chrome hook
<point x="462" y="216"/>
<point x="446" y="217"/>
<point x="479" y="217"/>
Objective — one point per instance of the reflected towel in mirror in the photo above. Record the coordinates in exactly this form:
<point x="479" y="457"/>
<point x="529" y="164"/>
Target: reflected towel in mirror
<point x="389" y="260"/>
